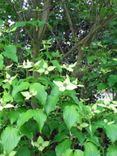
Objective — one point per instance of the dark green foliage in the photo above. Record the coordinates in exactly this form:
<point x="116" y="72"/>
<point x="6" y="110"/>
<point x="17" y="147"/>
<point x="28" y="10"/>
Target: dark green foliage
<point x="57" y="61"/>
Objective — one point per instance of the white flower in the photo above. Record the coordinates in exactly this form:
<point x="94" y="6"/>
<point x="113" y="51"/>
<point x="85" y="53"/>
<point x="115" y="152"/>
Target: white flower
<point x="6" y="107"/>
<point x="69" y="67"/>
<point x="37" y="64"/>
<point x="28" y="95"/>
<point x="66" y="85"/>
<point x="1" y="108"/>
<point x="9" y="79"/>
<point x="26" y="64"/>
<point x="76" y="82"/>
<point x="48" y="69"/>
<point x="40" y="143"/>
<point x="9" y="106"/>
<point x="45" y="68"/>
<point x="8" y="67"/>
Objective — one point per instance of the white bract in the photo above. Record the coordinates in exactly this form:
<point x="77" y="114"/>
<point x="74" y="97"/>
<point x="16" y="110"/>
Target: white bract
<point x="40" y="143"/>
<point x="28" y="94"/>
<point x="37" y="64"/>
<point x="8" y="67"/>
<point x="26" y="64"/>
<point x="6" y="107"/>
<point x="69" y="67"/>
<point x="9" y="78"/>
<point x="45" y="68"/>
<point x="76" y="82"/>
<point x="65" y="85"/>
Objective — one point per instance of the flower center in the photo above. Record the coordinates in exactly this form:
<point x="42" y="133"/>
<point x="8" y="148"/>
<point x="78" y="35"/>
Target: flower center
<point x="65" y="85"/>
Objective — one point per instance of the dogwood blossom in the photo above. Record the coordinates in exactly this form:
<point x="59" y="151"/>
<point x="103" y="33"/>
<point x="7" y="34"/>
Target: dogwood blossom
<point x="65" y="85"/>
<point x="45" y="68"/>
<point x="9" y="78"/>
<point x="28" y="94"/>
<point x="27" y="64"/>
<point x="69" y="67"/>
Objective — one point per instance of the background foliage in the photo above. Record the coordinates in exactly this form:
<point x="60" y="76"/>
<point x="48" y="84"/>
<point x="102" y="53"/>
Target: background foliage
<point x="58" y="78"/>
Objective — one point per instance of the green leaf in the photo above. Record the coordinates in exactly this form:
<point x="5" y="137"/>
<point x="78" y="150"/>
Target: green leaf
<point x="18" y="98"/>
<point x="91" y="59"/>
<point x="70" y="116"/>
<point x="60" y="148"/>
<point x="57" y="65"/>
<point x="37" y="115"/>
<point x="114" y="1"/>
<point x="111" y="132"/>
<point x="112" y="80"/>
<point x="1" y="22"/>
<point x="101" y="86"/>
<point x="40" y="117"/>
<point x="72" y="94"/>
<point x="9" y="139"/>
<point x="68" y="152"/>
<point x="52" y="100"/>
<point x="10" y="52"/>
<point x="23" y="151"/>
<point x="60" y="136"/>
<point x="79" y="135"/>
<point x="24" y="117"/>
<point x="1" y="62"/>
<point x="78" y="153"/>
<point x="13" y="153"/>
<point x="20" y="86"/>
<point x="91" y="150"/>
<point x="7" y="97"/>
<point x="14" y="114"/>
<point x="112" y="150"/>
<point x="28" y="130"/>
<point x="50" y="153"/>
<point x="29" y="23"/>
<point x="20" y="24"/>
<point x="40" y="90"/>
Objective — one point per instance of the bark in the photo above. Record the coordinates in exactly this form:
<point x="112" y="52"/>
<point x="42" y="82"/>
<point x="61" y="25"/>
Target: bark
<point x="95" y="29"/>
<point x="38" y="32"/>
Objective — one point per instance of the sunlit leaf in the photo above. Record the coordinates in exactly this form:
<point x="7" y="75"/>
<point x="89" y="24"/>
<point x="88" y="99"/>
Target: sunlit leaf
<point x="38" y="115"/>
<point x="70" y="115"/>
<point x="111" y="132"/>
<point x="20" y="86"/>
<point x="78" y="153"/>
<point x="10" y="52"/>
<point x="112" y="150"/>
<point x="91" y="150"/>
<point x="24" y="117"/>
<point x="61" y="147"/>
<point x="10" y="139"/>
<point x="41" y="94"/>
<point x="52" y="100"/>
<point x="68" y="152"/>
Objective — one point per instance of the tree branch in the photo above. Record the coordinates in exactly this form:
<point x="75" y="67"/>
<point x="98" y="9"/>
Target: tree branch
<point x="99" y="24"/>
<point x="69" y="18"/>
